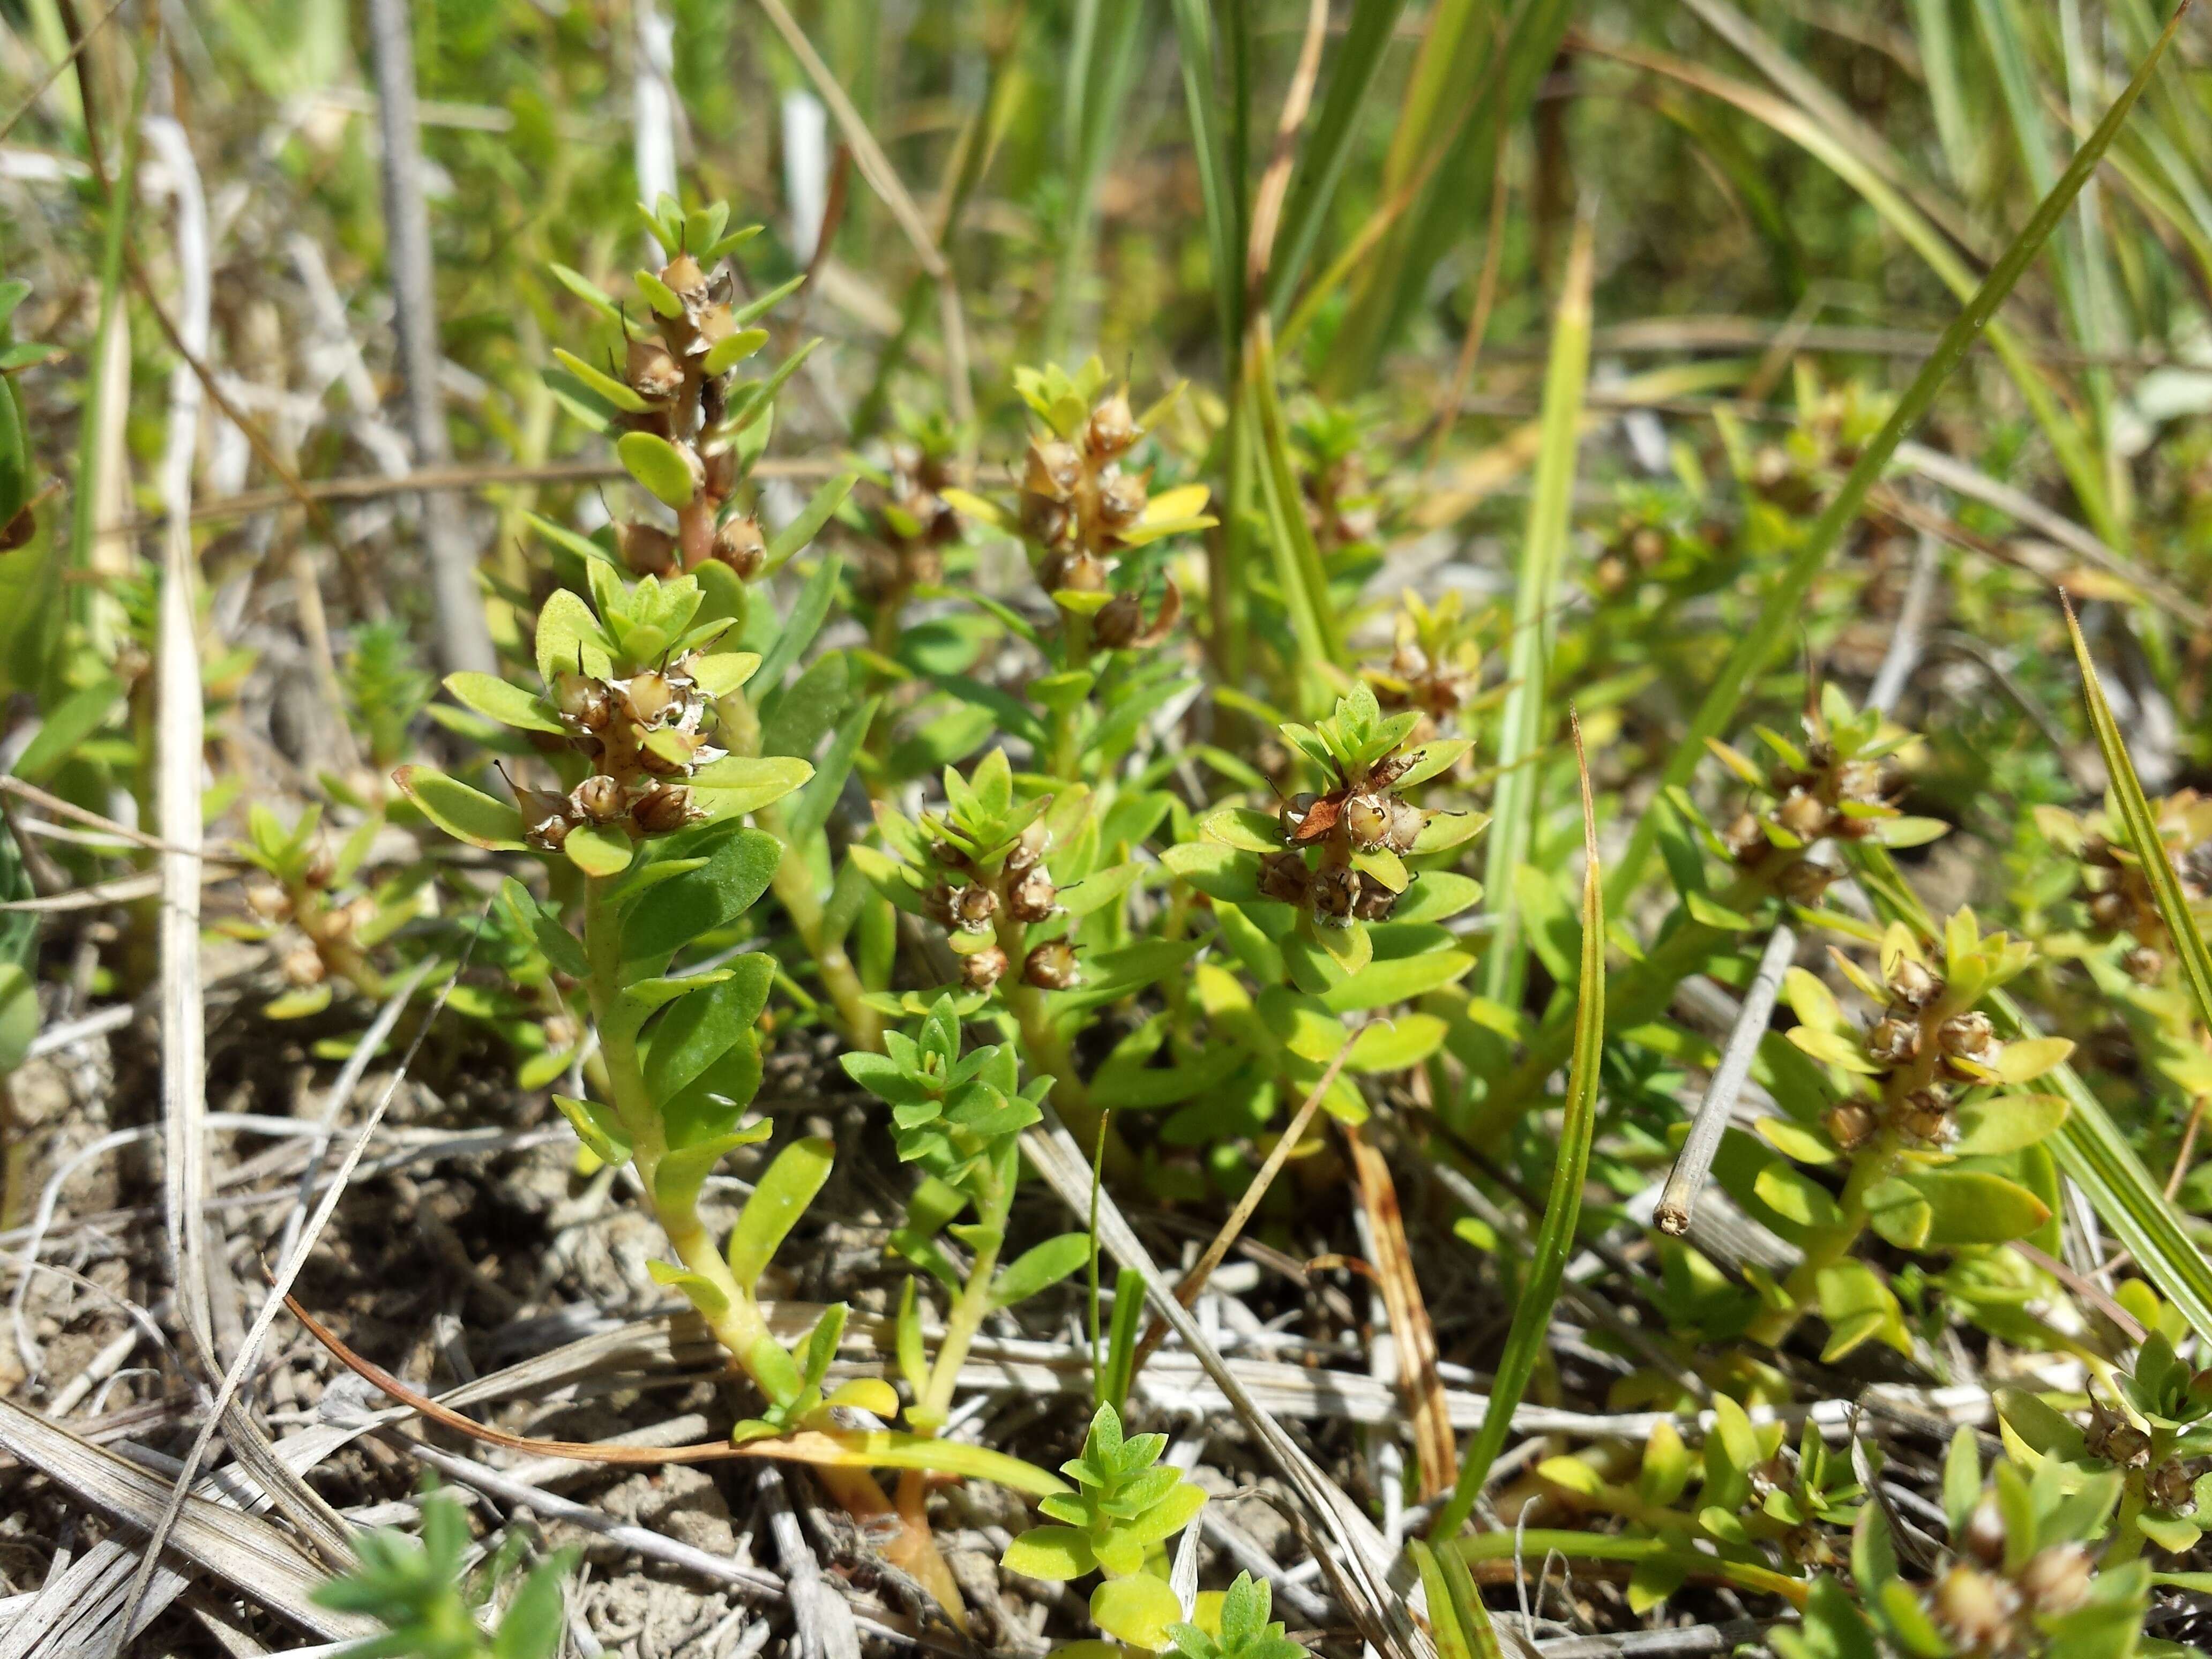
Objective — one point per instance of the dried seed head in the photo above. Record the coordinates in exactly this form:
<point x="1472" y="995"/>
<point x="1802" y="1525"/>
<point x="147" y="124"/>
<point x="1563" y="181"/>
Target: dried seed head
<point x="1406" y="823"/>
<point x="973" y="906"/>
<point x="652" y="370"/>
<point x="1912" y="985"/>
<point x="1374" y="902"/>
<point x="1285" y="878"/>
<point x="1975" y="1608"/>
<point x="583" y="703"/>
<point x="982" y="969"/>
<point x="947" y="856"/>
<point x="663" y="810"/>
<point x="650" y="698"/>
<point x="2169" y="1487"/>
<point x="1116" y="626"/>
<point x="268" y="902"/>
<point x="1367" y="819"/>
<point x="1849" y="1123"/>
<point x="1966" y="1035"/>
<point x="1111" y="429"/>
<point x="1293" y="813"/>
<point x="1984" y="1538"/>
<point x="682" y="275"/>
<point x="1026" y="853"/>
<point x="1860" y="781"/>
<point x="1745" y="839"/>
<point x="548" y="833"/>
<point x="1803" y="881"/>
<point x="1045" y="520"/>
<point x="646" y="548"/>
<point x="1335" y="891"/>
<point x="1030" y="899"/>
<point x="2108" y="911"/>
<point x="1806" y="816"/>
<point x="740" y="544"/>
<point x="599" y="798"/>
<point x="938" y="904"/>
<point x="1925" y="1115"/>
<point x="1053" y="469"/>
<point x="1075" y="571"/>
<point x="1122" y="500"/>
<point x="2056" y="1580"/>
<point x="1051" y="966"/>
<point x="1892" y="1041"/>
<point x="302" y="965"/>
<point x="2128" y="1446"/>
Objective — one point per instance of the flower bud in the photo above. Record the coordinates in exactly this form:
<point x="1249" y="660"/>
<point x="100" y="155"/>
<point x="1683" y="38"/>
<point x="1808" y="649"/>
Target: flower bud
<point x="1051" y="966"/>
<point x="740" y="544"/>
<point x="652" y="370"/>
<point x="2055" y="1580"/>
<point x="1030" y="899"/>
<point x="1111" y="429"/>
<point x="982" y="969"/>
<point x="599" y="798"/>
<point x="1893" y="1041"/>
<point x="662" y="810"/>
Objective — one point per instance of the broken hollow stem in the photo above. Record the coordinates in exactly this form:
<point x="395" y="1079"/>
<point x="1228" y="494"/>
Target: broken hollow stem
<point x="732" y="1315"/>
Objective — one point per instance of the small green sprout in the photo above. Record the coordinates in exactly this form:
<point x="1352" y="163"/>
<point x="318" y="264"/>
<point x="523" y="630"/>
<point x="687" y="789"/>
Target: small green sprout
<point x="430" y="1608"/>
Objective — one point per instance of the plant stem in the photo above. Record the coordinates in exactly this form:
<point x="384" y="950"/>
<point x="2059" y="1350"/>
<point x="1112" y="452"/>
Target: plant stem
<point x="737" y="1324"/>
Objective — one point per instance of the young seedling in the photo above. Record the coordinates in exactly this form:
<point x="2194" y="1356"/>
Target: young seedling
<point x="432" y="1607"/>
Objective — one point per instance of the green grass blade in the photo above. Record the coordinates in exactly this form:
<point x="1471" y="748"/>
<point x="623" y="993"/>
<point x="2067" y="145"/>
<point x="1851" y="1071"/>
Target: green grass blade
<point x="1456" y="1615"/>
<point x="1321" y="166"/>
<point x="2141" y="826"/>
<point x="1938" y="38"/>
<point x="1101" y="67"/>
<point x="1522" y="725"/>
<point x="1785" y="601"/>
<point x="1299" y="565"/>
<point x="1555" y="1235"/>
<point x="1194" y="24"/>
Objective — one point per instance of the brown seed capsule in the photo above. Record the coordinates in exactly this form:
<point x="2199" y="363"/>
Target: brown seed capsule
<point x="1966" y="1035"/>
<point x="1925" y="1115"/>
<point x="1045" y="520"/>
<point x="1030" y="899"/>
<point x="2055" y="1580"/>
<point x="1406" y="823"/>
<point x="649" y="698"/>
<point x="1803" y="881"/>
<point x="1051" y="966"/>
<point x="1122" y="500"/>
<point x="1077" y="572"/>
<point x="1860" y="781"/>
<point x="947" y="856"/>
<point x="662" y="810"/>
<point x="983" y="969"/>
<point x="561" y="1033"/>
<point x="1975" y="1608"/>
<point x="1649" y="545"/>
<point x="652" y="370"/>
<point x="1912" y="985"/>
<point x="740" y="544"/>
<point x="1745" y="839"/>
<point x="1285" y="878"/>
<point x="1367" y="820"/>
<point x="303" y="966"/>
<point x="2128" y="1446"/>
<point x="682" y="275"/>
<point x="2168" y="1487"/>
<point x="937" y="903"/>
<point x="1893" y="1041"/>
<point x="2142" y="964"/>
<point x="583" y="703"/>
<point x="2108" y="911"/>
<point x="1053" y="469"/>
<point x="1806" y="816"/>
<point x="268" y="901"/>
<point x="1985" y="1537"/>
<point x="973" y="906"/>
<point x="1111" y="428"/>
<point x="1117" y="626"/>
<point x="599" y="798"/>
<point x="1335" y="891"/>
<point x="1849" y="1123"/>
<point x="548" y="833"/>
<point x="1025" y="854"/>
<point x="646" y="548"/>
<point x="1374" y="902"/>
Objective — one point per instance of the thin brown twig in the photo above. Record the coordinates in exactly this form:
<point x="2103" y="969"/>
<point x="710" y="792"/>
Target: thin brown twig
<point x="1275" y="183"/>
<point x="61" y="64"/>
<point x="2180" y="1170"/>
<point x="1192" y="1282"/>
